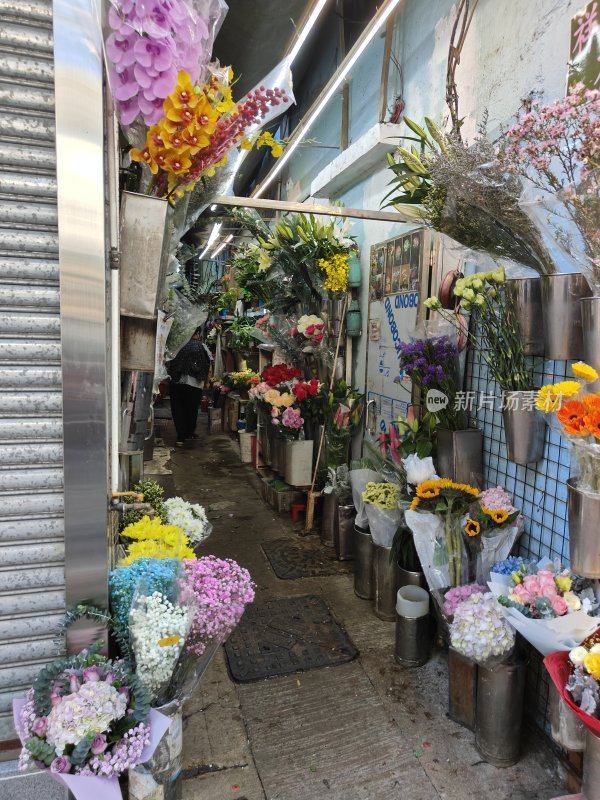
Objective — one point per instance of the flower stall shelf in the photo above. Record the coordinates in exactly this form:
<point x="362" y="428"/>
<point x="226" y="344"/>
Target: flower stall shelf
<point x="526" y="297"/>
<point x="144" y="237"/>
<point x="563" y="327"/>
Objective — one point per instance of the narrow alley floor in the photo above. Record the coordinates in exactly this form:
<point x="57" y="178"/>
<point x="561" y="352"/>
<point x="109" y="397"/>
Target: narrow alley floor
<point x="365" y="730"/>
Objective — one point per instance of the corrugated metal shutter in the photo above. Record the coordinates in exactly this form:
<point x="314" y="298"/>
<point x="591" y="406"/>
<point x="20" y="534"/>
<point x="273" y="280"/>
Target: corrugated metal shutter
<point x="32" y="597"/>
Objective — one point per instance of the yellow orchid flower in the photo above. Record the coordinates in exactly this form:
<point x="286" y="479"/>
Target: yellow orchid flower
<point x="146" y="157"/>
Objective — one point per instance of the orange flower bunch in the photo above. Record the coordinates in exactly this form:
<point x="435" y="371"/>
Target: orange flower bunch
<point x="581" y="417"/>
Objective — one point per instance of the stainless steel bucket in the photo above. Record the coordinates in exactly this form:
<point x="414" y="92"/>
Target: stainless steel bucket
<point x="386" y="580"/>
<point x="413" y="640"/>
<point x="563" y="333"/>
<point x="408" y="578"/>
<point x="590" y="320"/>
<point x="500" y="695"/>
<point x="136" y="397"/>
<point x="364" y="550"/>
<point x="460" y="455"/>
<point x="526" y="294"/>
<point x="584" y="527"/>
<point x="591" y="768"/>
<point x="524" y="429"/>
<point x="343" y="533"/>
<point x="462" y="689"/>
<point x="565" y="727"/>
<point x="329" y="519"/>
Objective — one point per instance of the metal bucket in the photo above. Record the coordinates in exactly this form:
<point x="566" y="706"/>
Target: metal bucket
<point x="343" y="533"/>
<point x="408" y="578"/>
<point x="161" y="777"/>
<point x="590" y="319"/>
<point x="413" y="641"/>
<point x="136" y="397"/>
<point x="524" y="429"/>
<point x="462" y="689"/>
<point x="565" y="727"/>
<point x="563" y="333"/>
<point x="386" y="583"/>
<point x="584" y="524"/>
<point x="364" y="550"/>
<point x="500" y="695"/>
<point x="526" y="294"/>
<point x="591" y="768"/>
<point x="460" y="455"/>
<point x="145" y="223"/>
<point x="138" y="343"/>
<point x="329" y="519"/>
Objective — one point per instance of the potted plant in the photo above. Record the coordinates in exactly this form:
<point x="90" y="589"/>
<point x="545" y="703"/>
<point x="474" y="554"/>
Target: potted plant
<point x="499" y="342"/>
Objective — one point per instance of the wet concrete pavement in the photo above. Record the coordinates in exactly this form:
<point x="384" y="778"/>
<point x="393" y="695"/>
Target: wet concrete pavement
<point x="365" y="730"/>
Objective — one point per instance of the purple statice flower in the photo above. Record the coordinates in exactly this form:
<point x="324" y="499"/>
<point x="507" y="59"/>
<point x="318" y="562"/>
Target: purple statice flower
<point x="123" y="755"/>
<point x="222" y="589"/>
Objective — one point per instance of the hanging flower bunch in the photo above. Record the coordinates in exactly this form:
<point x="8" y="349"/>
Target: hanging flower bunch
<point x="190" y="517"/>
<point x="149" y="44"/>
<point x="85" y="715"/>
<point x="335" y="270"/>
<point x="198" y="129"/>
<point x="312" y="327"/>
<point x="557" y="147"/>
<point x="479" y="630"/>
<point x="221" y="590"/>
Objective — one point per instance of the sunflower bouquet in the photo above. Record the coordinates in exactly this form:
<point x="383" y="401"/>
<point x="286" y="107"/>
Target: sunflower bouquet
<point x="436" y="518"/>
<point x="492" y="527"/>
<point x="577" y="412"/>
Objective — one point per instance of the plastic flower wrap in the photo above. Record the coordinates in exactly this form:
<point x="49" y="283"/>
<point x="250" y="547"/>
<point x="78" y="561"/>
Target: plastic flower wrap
<point x="190" y="517"/>
<point x="158" y="575"/>
<point x="158" y="627"/>
<point x="578" y="415"/>
<point x="479" y="629"/>
<point x="383" y="512"/>
<point x="148" y="43"/>
<point x="548" y="605"/>
<point x="360" y="477"/>
<point x="576" y="675"/>
<point x="436" y="519"/>
<point x="221" y="590"/>
<point x="152" y="539"/>
<point x="87" y="717"/>
<point x="492" y="528"/>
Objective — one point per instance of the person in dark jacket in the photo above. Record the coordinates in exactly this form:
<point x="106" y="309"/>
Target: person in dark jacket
<point x="188" y="372"/>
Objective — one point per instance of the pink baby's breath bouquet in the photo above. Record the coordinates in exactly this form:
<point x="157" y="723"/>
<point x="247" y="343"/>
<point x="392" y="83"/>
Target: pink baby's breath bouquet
<point x="222" y="589"/>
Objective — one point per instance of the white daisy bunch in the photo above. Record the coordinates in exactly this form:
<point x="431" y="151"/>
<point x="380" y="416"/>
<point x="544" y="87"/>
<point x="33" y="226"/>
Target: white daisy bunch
<point x="158" y="630"/>
<point x="191" y="517"/>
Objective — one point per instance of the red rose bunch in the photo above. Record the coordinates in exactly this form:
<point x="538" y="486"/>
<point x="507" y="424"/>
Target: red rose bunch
<point x="302" y="389"/>
<point x="279" y="373"/>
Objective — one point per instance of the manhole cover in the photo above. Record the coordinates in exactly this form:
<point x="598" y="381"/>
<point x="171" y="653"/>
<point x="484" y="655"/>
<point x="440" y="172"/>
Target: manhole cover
<point x="286" y="635"/>
<point x="293" y="559"/>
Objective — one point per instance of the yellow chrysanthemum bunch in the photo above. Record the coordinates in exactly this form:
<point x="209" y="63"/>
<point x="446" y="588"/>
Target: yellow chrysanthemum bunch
<point x="336" y="271"/>
<point x="382" y="495"/>
<point x="152" y="539"/>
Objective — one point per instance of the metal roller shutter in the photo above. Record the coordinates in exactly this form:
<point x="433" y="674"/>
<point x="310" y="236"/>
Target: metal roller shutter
<point x="32" y="595"/>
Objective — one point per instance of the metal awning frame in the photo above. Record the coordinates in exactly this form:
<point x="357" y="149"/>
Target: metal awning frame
<point x="309" y="208"/>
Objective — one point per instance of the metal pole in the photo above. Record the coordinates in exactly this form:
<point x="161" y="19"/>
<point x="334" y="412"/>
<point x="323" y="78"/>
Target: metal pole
<point x="309" y="208"/>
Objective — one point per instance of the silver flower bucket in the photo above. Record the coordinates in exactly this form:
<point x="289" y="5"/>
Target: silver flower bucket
<point x="363" y="563"/>
<point x="590" y="319"/>
<point x="526" y="294"/>
<point x="460" y="455"/>
<point x="343" y="534"/>
<point x="524" y="429"/>
<point x="591" y="768"/>
<point x="387" y="582"/>
<point x="584" y="525"/>
<point x="563" y="333"/>
<point x="329" y="519"/>
<point x="500" y="694"/>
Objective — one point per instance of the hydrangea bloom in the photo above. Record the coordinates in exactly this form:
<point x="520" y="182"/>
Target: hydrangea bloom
<point x="479" y="630"/>
<point x="456" y="595"/>
<point x="89" y="710"/>
<point x="190" y="517"/>
<point x="221" y="588"/>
